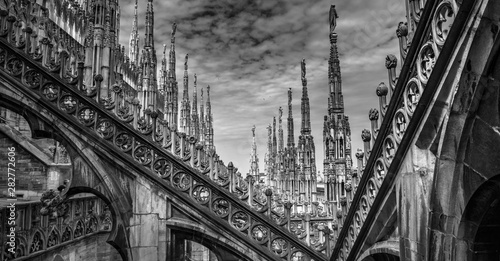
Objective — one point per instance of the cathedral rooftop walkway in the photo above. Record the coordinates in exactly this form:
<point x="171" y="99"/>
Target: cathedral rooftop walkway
<point x="172" y="161"/>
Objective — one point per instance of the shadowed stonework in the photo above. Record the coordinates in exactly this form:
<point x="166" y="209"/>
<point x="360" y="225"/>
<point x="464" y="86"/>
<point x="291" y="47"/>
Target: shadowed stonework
<point x="102" y="159"/>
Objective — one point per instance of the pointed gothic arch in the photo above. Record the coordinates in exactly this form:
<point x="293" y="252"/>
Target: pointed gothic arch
<point x="42" y="125"/>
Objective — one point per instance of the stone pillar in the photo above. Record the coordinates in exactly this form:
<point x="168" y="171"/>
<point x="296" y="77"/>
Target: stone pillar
<point x="250" y="181"/>
<point x="53" y="178"/>
<point x="148" y="230"/>
<point x="413" y="199"/>
<point x="269" y="194"/>
<point x="307" y="219"/>
<point x="230" y="169"/>
<point x="288" y="208"/>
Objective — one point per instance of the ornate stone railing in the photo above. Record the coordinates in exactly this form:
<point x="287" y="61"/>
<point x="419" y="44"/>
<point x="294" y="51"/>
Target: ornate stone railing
<point x="420" y="43"/>
<point x="177" y="162"/>
<point x="36" y="234"/>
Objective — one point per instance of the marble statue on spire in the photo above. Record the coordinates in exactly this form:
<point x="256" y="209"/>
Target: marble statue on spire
<point x="303" y="71"/>
<point x="174" y="28"/>
<point x="303" y="68"/>
<point x="333" y="18"/>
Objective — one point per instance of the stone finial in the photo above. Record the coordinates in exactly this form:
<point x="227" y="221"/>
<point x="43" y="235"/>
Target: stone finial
<point x="365" y="135"/>
<point x="382" y="89"/>
<point x="154" y="114"/>
<point x="373" y="114"/>
<point x="359" y="154"/>
<point x="98" y="78"/>
<point x="269" y="192"/>
<point x="391" y="61"/>
<point x="402" y="29"/>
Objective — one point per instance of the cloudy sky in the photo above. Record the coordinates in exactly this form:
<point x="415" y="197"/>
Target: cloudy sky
<point x="249" y="52"/>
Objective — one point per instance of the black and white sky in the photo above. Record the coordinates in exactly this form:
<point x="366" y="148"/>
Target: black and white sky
<point x="249" y="52"/>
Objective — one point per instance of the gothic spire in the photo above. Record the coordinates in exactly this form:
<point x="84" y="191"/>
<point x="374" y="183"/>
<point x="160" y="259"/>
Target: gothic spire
<point x="209" y="122"/>
<point x="163" y="73"/>
<point x="202" y="119"/>
<point x="185" y="105"/>
<point x="171" y="54"/>
<point x="290" y="140"/>
<point x="185" y="93"/>
<point x="305" y="111"/>
<point x="335" y="100"/>
<point x="280" y="131"/>
<point x="172" y="91"/>
<point x="275" y="145"/>
<point x="149" y="41"/>
<point x="269" y="158"/>
<point x="133" y="50"/>
<point x="254" y="160"/>
<point x="195" y="124"/>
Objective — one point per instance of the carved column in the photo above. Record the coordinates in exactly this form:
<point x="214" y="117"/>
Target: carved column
<point x="288" y="215"/>
<point x="251" y="182"/>
<point x="307" y="221"/>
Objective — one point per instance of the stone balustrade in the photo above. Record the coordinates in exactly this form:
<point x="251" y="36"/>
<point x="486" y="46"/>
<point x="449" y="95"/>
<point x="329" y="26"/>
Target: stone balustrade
<point x="85" y="216"/>
<point x="46" y="69"/>
<point x="396" y="116"/>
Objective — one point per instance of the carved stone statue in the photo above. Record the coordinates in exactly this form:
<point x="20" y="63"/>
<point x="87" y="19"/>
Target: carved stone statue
<point x="333" y="18"/>
<point x="174" y="28"/>
<point x="303" y="68"/>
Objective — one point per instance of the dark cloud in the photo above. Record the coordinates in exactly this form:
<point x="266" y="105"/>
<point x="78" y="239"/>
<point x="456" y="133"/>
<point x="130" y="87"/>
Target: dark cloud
<point x="249" y="52"/>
